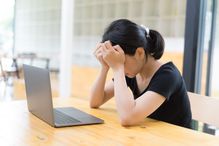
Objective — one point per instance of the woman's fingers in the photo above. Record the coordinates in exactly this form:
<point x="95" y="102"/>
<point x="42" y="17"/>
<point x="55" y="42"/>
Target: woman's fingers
<point x="108" y="45"/>
<point x="119" y="49"/>
<point x="97" y="48"/>
<point x="104" y="49"/>
<point x="108" y="50"/>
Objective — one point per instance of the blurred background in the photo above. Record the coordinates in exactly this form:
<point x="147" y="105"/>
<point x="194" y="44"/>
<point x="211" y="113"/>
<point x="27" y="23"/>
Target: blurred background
<point x="61" y="35"/>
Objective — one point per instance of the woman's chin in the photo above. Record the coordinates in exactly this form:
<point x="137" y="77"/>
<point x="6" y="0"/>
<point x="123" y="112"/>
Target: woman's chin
<point x="130" y="76"/>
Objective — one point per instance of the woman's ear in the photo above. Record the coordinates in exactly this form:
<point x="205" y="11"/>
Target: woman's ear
<point x="140" y="53"/>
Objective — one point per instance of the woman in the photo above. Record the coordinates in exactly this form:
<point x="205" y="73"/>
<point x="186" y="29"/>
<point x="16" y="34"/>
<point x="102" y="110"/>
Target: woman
<point x="157" y="90"/>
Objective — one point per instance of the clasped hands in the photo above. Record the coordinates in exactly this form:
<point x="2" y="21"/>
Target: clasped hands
<point x="110" y="56"/>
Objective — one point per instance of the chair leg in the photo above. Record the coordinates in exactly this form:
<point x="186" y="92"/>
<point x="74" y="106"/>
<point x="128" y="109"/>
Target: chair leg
<point x="16" y="66"/>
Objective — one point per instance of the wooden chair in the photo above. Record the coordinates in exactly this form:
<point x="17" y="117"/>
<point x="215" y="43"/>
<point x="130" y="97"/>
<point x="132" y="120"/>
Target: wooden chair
<point x="205" y="108"/>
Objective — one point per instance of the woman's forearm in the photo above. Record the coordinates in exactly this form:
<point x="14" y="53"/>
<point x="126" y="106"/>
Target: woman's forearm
<point x="124" y="98"/>
<point x="97" y="90"/>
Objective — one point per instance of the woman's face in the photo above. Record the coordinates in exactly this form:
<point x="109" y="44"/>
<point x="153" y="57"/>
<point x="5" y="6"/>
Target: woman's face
<point x="133" y="64"/>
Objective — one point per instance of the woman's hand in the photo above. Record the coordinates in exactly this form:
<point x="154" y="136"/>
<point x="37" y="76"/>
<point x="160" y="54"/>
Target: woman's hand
<point x="98" y="54"/>
<point x="114" y="56"/>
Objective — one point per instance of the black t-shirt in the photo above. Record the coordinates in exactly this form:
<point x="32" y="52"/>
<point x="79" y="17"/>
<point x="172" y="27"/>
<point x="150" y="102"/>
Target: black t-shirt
<point x="168" y="82"/>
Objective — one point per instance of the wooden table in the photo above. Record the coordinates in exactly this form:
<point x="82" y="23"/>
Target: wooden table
<point x="18" y="127"/>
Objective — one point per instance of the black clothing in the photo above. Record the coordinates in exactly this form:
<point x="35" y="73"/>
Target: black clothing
<point x="168" y="82"/>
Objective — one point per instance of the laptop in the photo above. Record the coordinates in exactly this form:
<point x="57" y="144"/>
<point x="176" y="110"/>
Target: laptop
<point x="39" y="101"/>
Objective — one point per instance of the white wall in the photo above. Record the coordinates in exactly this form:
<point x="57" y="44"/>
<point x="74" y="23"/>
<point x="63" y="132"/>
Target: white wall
<point x="37" y="28"/>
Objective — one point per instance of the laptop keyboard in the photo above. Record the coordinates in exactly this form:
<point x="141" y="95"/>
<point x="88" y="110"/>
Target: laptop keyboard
<point x="62" y="118"/>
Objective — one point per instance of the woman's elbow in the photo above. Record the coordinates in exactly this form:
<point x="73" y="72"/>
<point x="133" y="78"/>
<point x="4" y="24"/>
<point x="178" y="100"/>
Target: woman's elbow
<point x="125" y="122"/>
<point x="93" y="105"/>
<point x="130" y="121"/>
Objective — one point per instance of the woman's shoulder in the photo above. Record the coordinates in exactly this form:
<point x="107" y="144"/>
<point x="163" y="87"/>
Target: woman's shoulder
<point x="166" y="80"/>
<point x="168" y="65"/>
<point x="167" y="72"/>
<point x="168" y="68"/>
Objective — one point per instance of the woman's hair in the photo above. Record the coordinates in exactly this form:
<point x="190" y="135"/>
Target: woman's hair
<point x="130" y="36"/>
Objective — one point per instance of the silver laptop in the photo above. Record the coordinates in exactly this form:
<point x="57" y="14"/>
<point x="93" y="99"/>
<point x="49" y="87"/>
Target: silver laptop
<point x="39" y="100"/>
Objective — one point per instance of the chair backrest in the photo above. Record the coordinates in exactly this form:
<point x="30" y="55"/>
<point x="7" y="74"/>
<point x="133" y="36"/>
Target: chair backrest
<point x="205" y="108"/>
<point x="1" y="69"/>
<point x="8" y="64"/>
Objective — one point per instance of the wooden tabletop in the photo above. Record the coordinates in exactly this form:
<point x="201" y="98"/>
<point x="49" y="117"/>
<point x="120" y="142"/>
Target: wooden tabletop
<point x="19" y="127"/>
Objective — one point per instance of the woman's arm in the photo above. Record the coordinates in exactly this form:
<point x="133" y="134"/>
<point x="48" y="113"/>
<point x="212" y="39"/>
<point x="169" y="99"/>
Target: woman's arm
<point x="132" y="111"/>
<point x="100" y="93"/>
